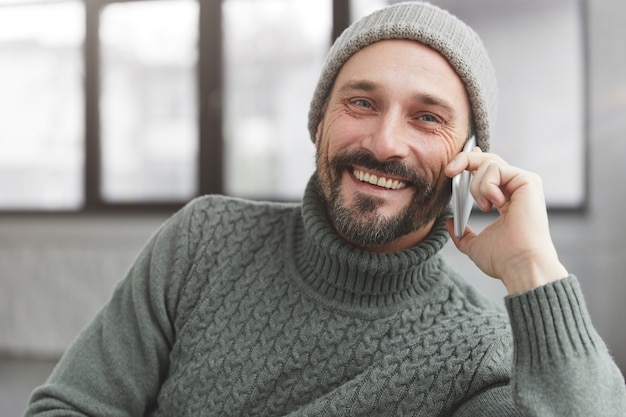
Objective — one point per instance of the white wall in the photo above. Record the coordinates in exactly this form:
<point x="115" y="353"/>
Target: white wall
<point x="56" y="272"/>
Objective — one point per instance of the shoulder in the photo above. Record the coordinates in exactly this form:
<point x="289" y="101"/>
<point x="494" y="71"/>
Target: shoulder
<point x="234" y="208"/>
<point x="222" y="214"/>
<point x="216" y="221"/>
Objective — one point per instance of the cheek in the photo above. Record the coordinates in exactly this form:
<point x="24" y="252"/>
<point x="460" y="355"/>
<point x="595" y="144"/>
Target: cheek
<point x="433" y="157"/>
<point x="452" y="143"/>
<point x="323" y="156"/>
<point x="341" y="131"/>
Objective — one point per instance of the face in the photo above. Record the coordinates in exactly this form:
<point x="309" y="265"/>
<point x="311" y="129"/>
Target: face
<point x="396" y="115"/>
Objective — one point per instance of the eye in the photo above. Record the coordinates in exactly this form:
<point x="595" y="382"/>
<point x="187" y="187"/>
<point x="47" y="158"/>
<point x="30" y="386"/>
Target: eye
<point x="428" y="118"/>
<point x="362" y="103"/>
<point x="427" y="121"/>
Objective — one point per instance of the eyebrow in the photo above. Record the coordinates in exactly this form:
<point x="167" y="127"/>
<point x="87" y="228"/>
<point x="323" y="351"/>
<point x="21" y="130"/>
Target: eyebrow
<point x="362" y="85"/>
<point x="431" y="100"/>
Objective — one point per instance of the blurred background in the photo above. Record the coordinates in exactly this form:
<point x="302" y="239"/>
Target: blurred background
<point x="115" y="113"/>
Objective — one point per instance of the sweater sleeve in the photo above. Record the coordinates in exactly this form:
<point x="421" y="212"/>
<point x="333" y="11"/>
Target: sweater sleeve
<point x="561" y="367"/>
<point x="117" y="364"/>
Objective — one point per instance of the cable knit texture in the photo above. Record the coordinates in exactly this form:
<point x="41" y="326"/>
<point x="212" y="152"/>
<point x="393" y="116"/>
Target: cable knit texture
<point x="238" y="308"/>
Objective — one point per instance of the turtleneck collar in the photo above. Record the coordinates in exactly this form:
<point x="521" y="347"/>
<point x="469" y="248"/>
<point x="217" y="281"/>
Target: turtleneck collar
<point x="343" y="273"/>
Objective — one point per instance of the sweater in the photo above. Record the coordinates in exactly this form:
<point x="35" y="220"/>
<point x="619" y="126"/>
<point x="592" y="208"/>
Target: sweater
<point x="241" y="308"/>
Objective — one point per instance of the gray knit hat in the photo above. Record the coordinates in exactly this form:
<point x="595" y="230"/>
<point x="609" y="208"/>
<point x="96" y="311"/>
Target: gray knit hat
<point x="433" y="27"/>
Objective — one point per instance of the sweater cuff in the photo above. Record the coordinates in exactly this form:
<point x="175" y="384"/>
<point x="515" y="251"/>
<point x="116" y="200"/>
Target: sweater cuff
<point x="551" y="323"/>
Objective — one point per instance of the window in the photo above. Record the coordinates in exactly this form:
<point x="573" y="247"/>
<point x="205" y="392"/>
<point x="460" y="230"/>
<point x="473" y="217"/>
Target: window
<point x="141" y="104"/>
<point x="274" y="51"/>
<point x="42" y="130"/>
<point x="148" y="100"/>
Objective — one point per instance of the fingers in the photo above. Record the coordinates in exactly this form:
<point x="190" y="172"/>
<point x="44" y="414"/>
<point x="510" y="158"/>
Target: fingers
<point x="486" y="186"/>
<point x="470" y="161"/>
<point x="494" y="180"/>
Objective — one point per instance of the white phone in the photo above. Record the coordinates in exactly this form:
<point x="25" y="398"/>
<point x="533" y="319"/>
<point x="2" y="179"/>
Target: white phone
<point x="462" y="200"/>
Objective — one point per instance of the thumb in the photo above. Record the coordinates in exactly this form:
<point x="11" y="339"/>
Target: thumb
<point x="463" y="243"/>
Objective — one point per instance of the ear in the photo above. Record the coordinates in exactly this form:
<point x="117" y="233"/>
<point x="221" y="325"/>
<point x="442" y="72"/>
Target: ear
<point x="318" y="133"/>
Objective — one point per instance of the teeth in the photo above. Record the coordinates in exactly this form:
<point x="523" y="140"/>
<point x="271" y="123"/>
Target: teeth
<point x="381" y="182"/>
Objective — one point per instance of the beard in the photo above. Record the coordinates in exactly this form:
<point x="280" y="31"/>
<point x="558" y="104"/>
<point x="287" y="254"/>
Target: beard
<point x="361" y="222"/>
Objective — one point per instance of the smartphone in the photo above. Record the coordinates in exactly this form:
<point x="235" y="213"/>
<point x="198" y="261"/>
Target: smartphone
<point x="462" y="200"/>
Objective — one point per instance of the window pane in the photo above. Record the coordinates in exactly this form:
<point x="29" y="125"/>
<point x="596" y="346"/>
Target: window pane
<point x="41" y="106"/>
<point x="274" y="51"/>
<point x="149" y="134"/>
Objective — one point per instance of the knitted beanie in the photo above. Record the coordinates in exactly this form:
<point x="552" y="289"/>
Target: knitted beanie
<point x="433" y="27"/>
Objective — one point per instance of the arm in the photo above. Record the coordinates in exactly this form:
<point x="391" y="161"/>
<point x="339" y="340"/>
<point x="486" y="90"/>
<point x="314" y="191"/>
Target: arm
<point x="560" y="364"/>
<point x="116" y="365"/>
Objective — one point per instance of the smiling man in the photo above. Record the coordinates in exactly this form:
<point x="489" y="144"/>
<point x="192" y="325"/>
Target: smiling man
<point x="342" y="305"/>
<point x="397" y="115"/>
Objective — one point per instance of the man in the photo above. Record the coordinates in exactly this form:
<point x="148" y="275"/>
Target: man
<point x="342" y="305"/>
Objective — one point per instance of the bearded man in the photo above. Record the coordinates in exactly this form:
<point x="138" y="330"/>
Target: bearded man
<point x="342" y="305"/>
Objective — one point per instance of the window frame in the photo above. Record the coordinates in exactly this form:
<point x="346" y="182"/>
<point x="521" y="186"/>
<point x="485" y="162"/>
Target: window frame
<point x="208" y="77"/>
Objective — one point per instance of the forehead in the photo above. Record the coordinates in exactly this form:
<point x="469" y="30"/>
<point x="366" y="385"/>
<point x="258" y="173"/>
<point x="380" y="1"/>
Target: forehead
<point x="410" y="65"/>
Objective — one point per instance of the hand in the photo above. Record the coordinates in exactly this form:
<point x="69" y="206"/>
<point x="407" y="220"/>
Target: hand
<point x="517" y="247"/>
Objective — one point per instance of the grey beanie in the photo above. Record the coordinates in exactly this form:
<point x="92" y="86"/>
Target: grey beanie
<point x="433" y="27"/>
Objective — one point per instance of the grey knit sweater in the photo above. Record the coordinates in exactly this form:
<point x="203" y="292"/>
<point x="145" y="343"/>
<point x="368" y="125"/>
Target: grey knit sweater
<point x="237" y="308"/>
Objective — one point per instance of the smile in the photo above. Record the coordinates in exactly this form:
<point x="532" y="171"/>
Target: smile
<point x="388" y="183"/>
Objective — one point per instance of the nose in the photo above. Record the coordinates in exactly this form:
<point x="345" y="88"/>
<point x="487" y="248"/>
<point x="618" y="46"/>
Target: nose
<point x="387" y="137"/>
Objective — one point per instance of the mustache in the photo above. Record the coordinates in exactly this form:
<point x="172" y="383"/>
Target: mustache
<point x="366" y="160"/>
